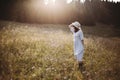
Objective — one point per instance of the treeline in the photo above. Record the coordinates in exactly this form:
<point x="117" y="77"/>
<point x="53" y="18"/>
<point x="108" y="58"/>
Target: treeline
<point x="35" y="11"/>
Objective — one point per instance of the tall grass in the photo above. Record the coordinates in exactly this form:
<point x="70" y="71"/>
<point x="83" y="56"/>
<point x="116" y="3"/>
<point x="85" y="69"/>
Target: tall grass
<point x="45" y="52"/>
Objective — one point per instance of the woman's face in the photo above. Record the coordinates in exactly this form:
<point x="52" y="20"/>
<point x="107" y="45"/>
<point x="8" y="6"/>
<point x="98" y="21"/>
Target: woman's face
<point x="72" y="29"/>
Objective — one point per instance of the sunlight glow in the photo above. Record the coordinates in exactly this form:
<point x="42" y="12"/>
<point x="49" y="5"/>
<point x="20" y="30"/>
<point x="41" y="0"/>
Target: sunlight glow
<point x="82" y="1"/>
<point x="69" y="1"/>
<point x="49" y="1"/>
<point x="46" y="2"/>
<point x="53" y="1"/>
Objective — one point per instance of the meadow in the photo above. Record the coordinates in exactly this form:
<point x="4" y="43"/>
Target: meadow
<point x="45" y="52"/>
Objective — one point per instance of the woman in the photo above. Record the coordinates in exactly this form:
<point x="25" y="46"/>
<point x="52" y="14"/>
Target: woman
<point x="78" y="39"/>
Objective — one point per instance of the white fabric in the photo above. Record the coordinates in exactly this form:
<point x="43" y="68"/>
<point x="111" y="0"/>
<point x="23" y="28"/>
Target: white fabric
<point x="79" y="56"/>
<point x="78" y="46"/>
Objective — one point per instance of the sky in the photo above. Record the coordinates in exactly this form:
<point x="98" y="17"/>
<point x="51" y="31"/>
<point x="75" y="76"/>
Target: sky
<point x="115" y="0"/>
<point x="69" y="1"/>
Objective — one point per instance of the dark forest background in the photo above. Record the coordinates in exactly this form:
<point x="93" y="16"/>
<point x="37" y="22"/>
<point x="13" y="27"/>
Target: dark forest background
<point x="35" y="11"/>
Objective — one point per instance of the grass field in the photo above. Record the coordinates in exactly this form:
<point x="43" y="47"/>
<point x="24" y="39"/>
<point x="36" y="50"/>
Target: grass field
<point x="45" y="52"/>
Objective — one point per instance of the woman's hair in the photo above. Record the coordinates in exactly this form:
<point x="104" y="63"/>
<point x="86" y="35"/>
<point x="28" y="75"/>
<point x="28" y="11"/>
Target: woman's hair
<point x="76" y="29"/>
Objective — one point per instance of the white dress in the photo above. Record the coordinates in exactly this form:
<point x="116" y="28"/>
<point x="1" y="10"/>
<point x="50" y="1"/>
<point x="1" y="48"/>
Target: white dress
<point x="78" y="46"/>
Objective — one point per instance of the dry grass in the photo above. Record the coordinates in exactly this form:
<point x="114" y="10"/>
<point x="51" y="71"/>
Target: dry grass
<point x="45" y="52"/>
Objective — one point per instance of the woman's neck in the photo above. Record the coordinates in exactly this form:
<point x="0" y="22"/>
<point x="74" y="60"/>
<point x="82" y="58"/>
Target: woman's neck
<point x="76" y="30"/>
